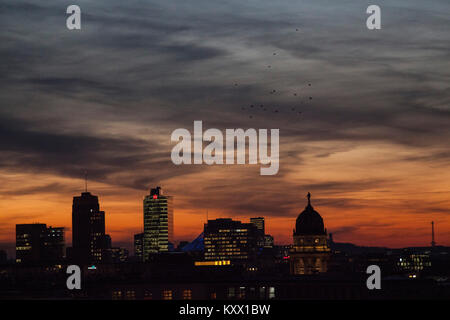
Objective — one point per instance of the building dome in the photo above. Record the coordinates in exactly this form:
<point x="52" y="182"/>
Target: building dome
<point x="309" y="222"/>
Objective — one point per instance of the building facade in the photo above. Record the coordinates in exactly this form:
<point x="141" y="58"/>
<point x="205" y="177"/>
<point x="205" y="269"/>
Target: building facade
<point x="158" y="223"/>
<point x="89" y="243"/>
<point x="229" y="240"/>
<point x="119" y="255"/>
<point x="37" y="244"/>
<point x="310" y="252"/>
<point x="139" y="246"/>
<point x="261" y="230"/>
<point x="260" y="224"/>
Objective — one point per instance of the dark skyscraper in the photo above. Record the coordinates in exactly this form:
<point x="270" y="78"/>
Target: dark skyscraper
<point x="88" y="230"/>
<point x="119" y="255"/>
<point x="260" y="226"/>
<point x="259" y="223"/>
<point x="37" y="244"/>
<point x="55" y="243"/>
<point x="158" y="222"/>
<point x="138" y="246"/>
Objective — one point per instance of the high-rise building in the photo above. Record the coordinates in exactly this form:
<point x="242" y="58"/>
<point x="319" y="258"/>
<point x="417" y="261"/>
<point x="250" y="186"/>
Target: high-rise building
<point x="268" y="241"/>
<point x="55" y="243"/>
<point x="226" y="239"/>
<point x="259" y="223"/>
<point x="119" y="255"/>
<point x="260" y="226"/>
<point x="37" y="244"/>
<point x="139" y="246"/>
<point x="88" y="230"/>
<point x="310" y="253"/>
<point x="158" y="222"/>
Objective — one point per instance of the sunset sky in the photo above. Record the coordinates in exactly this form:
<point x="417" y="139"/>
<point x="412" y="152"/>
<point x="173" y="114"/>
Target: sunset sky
<point x="372" y="145"/>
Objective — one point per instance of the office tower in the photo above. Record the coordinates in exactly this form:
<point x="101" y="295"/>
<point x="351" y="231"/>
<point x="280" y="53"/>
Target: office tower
<point x="158" y="222"/>
<point x="310" y="253"/>
<point x="88" y="230"/>
<point x="55" y="243"/>
<point x="37" y="244"/>
<point x="139" y="246"/>
<point x="107" y="254"/>
<point x="260" y="226"/>
<point x="226" y="239"/>
<point x="259" y="223"/>
<point x="268" y="241"/>
<point x="119" y="255"/>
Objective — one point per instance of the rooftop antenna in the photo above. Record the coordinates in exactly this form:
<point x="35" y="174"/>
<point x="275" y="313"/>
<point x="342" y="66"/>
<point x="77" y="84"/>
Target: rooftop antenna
<point x="433" y="243"/>
<point x="85" y="181"/>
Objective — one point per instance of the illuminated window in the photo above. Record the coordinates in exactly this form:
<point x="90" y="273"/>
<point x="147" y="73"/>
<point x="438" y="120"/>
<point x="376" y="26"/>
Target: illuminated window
<point x="148" y="295"/>
<point x="187" y="294"/>
<point x="231" y="292"/>
<point x="130" y="295"/>
<point x="167" y="295"/>
<point x="262" y="292"/>
<point x="271" y="293"/>
<point x="117" y="295"/>
<point x="241" y="293"/>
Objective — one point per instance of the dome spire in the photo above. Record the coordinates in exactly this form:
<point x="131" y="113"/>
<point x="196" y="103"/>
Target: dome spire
<point x="309" y="198"/>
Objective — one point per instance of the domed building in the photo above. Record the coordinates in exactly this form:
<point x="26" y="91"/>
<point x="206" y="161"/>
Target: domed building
<point x="310" y="253"/>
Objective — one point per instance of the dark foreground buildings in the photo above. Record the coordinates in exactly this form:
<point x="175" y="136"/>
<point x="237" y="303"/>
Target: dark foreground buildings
<point x="225" y="262"/>
<point x="175" y="276"/>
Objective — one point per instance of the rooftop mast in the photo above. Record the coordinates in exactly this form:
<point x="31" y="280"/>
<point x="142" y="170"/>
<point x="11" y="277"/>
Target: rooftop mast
<point x="85" y="181"/>
<point x="433" y="243"/>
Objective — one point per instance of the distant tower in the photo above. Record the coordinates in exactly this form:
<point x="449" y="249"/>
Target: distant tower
<point x="89" y="242"/>
<point x="310" y="253"/>
<point x="158" y="223"/>
<point x="433" y="243"/>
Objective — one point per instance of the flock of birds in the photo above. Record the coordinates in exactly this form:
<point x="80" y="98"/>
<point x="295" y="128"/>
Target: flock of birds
<point x="255" y="108"/>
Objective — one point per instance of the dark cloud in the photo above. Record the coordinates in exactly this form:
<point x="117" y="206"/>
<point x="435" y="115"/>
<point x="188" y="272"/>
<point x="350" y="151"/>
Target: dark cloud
<point x="24" y="148"/>
<point x="152" y="57"/>
<point x="47" y="188"/>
